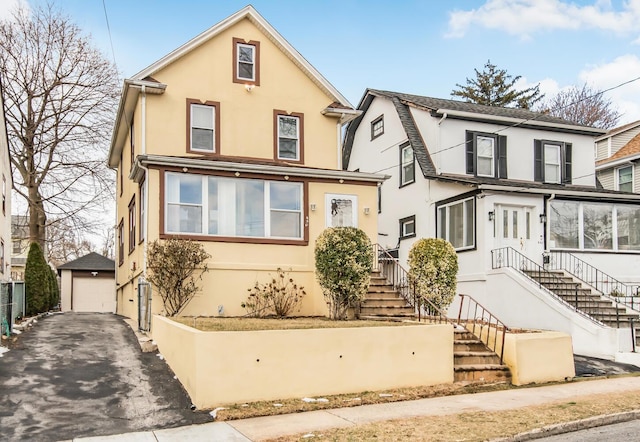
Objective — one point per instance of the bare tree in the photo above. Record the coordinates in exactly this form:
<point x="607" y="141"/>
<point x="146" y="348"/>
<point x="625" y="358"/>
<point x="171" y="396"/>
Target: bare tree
<point x="60" y="96"/>
<point x="65" y="243"/>
<point x="583" y="105"/>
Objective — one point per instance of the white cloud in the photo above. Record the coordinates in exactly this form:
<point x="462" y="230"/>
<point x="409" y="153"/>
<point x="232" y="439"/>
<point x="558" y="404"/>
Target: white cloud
<point x="8" y="6"/>
<point x="525" y="17"/>
<point x="616" y="73"/>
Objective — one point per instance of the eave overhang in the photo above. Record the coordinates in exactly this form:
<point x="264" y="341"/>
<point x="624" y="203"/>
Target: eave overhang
<point x="159" y="161"/>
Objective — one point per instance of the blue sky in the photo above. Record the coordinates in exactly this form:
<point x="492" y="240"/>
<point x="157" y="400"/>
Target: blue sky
<point x="422" y="47"/>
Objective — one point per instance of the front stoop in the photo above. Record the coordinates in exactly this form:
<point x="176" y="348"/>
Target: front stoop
<point x="474" y="362"/>
<point x="383" y="302"/>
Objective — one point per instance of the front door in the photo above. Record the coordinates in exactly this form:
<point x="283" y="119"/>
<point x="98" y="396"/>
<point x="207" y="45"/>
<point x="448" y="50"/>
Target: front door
<point x="514" y="227"/>
<point x="341" y="210"/>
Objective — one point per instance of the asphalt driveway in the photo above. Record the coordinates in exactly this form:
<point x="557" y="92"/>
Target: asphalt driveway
<point x="83" y="374"/>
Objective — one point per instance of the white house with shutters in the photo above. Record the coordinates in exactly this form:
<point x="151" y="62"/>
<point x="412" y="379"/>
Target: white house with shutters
<point x="515" y="192"/>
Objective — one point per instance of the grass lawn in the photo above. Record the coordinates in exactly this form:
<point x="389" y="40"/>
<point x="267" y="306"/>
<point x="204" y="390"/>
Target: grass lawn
<point x="253" y="324"/>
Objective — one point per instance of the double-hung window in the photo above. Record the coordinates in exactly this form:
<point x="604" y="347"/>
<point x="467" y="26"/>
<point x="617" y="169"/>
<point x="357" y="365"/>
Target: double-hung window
<point x="121" y="242"/>
<point x="289" y="136"/>
<point x="407" y="165"/>
<point x="246" y="62"/>
<point x="552" y="162"/>
<point x="233" y="207"/>
<point x="486" y="154"/>
<point x="456" y="223"/>
<point x="624" y="179"/>
<point x="203" y="126"/>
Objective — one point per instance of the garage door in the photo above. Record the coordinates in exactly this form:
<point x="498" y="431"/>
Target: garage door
<point x="93" y="295"/>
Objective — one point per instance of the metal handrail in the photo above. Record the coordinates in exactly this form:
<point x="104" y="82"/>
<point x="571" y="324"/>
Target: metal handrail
<point x="604" y="283"/>
<point x="396" y="275"/>
<point x="547" y="281"/>
<point x="479" y="320"/>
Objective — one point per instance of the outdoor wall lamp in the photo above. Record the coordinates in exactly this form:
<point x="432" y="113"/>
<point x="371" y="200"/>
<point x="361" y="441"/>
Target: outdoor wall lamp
<point x="312" y="206"/>
<point x="543" y="218"/>
<point x="491" y="215"/>
<point x="366" y="210"/>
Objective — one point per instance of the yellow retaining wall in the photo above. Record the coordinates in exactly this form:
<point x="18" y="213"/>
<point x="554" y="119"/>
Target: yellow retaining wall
<point x="538" y="357"/>
<point x="218" y="368"/>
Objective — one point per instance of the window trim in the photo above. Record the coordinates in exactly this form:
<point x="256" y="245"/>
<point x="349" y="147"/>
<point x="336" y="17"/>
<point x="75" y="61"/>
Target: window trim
<point x="492" y="158"/>
<point x="4" y="194"/>
<point x="216" y="126"/>
<point x="617" y="177"/>
<point x="256" y="61"/>
<point x="141" y="212"/>
<point x="499" y="165"/>
<point x="539" y="161"/>
<point x="277" y="113"/>
<point x="121" y="242"/>
<point x="404" y="183"/>
<point x="234" y="239"/>
<point x="445" y="204"/>
<point x="402" y="223"/>
<point x="2" y="256"/>
<point x="132" y="224"/>
<point x="379" y="119"/>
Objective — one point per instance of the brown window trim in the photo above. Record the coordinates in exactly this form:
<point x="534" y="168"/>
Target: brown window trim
<point x="216" y="135"/>
<point x="256" y="61"/>
<point x="132" y="224"/>
<point x="212" y="238"/>
<point x="300" y="116"/>
<point x="120" y="240"/>
<point x="141" y="232"/>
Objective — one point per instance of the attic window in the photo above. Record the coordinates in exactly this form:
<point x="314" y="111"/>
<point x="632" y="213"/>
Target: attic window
<point x="377" y="127"/>
<point x="246" y="62"/>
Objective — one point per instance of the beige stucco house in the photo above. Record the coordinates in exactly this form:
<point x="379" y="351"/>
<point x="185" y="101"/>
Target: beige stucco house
<point x="233" y="140"/>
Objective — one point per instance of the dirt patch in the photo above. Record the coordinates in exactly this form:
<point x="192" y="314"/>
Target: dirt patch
<point x="253" y="324"/>
<point x="481" y="426"/>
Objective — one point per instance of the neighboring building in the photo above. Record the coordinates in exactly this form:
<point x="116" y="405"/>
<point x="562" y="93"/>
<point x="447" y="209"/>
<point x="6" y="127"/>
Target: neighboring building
<point x="87" y="284"/>
<point x="19" y="246"/>
<point x="617" y="158"/>
<point x="6" y="184"/>
<point x="509" y="188"/>
<point x="233" y="140"/>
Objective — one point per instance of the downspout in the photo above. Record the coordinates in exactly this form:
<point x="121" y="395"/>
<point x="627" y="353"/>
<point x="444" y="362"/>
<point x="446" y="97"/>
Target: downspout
<point x="143" y="142"/>
<point x="546" y="214"/>
<point x="438" y="143"/>
<point x="339" y="140"/>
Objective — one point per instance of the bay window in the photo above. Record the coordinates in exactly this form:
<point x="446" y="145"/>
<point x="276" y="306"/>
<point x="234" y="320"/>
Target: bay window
<point x="233" y="207"/>
<point x="456" y="223"/>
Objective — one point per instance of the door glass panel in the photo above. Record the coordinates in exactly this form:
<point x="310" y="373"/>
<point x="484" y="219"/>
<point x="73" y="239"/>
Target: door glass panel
<point x="515" y="224"/>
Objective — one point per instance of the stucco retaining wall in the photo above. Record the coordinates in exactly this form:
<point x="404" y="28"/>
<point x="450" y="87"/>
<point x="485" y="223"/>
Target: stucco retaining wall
<point x="218" y="368"/>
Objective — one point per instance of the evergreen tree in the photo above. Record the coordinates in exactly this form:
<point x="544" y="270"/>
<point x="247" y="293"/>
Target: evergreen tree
<point x="54" y="292"/>
<point x="495" y="87"/>
<point x="37" y="281"/>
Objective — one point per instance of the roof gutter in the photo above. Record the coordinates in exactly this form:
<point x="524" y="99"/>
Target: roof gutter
<point x="519" y="121"/>
<point x="556" y="192"/>
<point x="620" y="162"/>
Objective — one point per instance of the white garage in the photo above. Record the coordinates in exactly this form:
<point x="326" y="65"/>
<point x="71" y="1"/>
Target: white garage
<point x="88" y="284"/>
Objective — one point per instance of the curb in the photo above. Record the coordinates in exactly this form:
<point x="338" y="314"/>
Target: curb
<point x="569" y="427"/>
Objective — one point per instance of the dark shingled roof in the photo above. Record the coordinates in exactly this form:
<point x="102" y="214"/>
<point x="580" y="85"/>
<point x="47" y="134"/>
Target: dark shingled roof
<point x="402" y="102"/>
<point x="92" y="261"/>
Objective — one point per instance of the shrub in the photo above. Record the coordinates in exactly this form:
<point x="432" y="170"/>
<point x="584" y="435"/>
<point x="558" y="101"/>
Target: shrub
<point x="344" y="258"/>
<point x="433" y="266"/>
<point x="37" y="277"/>
<point x="279" y="297"/>
<point x="173" y="264"/>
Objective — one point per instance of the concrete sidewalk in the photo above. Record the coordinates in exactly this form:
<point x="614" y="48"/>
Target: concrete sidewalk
<point x="263" y="428"/>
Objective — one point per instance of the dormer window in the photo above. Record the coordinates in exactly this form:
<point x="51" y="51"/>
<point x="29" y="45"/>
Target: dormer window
<point x="246" y="62"/>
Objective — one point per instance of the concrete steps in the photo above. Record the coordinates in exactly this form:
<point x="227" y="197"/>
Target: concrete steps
<point x="384" y="302"/>
<point x="474" y="362"/>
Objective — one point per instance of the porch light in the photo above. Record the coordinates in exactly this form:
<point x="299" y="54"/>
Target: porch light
<point x="543" y="218"/>
<point x="491" y="215"/>
<point x="366" y="210"/>
<point x="312" y="206"/>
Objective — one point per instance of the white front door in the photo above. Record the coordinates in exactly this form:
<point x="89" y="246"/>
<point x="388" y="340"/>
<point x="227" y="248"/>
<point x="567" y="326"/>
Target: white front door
<point x="341" y="210"/>
<point x="514" y="226"/>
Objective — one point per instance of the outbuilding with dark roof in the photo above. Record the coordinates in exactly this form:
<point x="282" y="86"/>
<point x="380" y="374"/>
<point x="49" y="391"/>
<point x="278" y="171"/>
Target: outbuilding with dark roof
<point x="88" y="284"/>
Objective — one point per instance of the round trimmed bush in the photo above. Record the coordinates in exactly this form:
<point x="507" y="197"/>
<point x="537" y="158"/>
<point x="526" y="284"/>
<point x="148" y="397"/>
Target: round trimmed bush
<point x="433" y="266"/>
